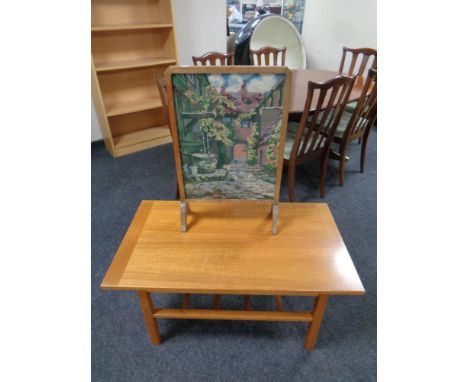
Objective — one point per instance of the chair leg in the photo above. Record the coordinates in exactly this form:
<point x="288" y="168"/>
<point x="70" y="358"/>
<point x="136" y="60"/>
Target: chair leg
<point x="363" y="149"/>
<point x="323" y="173"/>
<point x="343" y="148"/>
<point x="291" y="181"/>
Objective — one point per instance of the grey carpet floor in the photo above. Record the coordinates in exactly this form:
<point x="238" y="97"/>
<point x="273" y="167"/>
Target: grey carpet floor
<point x="194" y="350"/>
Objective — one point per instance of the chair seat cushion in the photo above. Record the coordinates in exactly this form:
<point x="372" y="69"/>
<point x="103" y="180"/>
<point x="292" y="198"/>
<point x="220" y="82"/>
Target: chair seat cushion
<point x="343" y="125"/>
<point x="351" y="106"/>
<point x="291" y="136"/>
<point x="345" y="118"/>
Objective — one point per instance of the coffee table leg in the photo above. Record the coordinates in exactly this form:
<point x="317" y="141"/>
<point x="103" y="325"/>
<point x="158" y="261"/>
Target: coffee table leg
<point x="317" y="315"/>
<point x="147" y="308"/>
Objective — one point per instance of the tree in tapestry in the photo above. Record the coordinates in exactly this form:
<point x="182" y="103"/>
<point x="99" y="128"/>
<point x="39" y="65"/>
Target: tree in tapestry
<point x="229" y="130"/>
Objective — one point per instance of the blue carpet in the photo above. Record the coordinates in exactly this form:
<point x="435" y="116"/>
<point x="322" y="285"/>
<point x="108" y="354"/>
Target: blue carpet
<point x="194" y="350"/>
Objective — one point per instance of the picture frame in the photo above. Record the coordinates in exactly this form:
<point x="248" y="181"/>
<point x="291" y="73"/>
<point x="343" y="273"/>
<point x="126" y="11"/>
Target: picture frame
<point x="229" y="128"/>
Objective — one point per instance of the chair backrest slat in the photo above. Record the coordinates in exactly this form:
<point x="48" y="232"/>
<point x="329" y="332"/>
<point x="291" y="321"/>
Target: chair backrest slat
<point x="322" y="121"/>
<point x="316" y="121"/>
<point x="265" y="52"/>
<point x="353" y="64"/>
<point x="363" y="65"/>
<point x="213" y="58"/>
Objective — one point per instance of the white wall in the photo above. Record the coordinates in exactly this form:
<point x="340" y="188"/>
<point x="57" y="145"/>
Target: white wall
<point x="200" y="27"/>
<point x="331" y="24"/>
<point x="95" y="130"/>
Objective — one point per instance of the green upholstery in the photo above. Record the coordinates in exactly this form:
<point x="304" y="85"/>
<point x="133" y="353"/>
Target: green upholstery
<point x="345" y="118"/>
<point x="351" y="106"/>
<point x="291" y="136"/>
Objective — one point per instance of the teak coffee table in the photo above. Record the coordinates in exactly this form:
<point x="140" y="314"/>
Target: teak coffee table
<point x="229" y="249"/>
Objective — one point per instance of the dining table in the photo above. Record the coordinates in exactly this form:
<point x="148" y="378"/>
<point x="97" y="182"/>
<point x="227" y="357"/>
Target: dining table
<point x="299" y="84"/>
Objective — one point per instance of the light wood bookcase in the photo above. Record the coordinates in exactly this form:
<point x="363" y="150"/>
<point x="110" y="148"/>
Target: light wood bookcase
<point x="131" y="41"/>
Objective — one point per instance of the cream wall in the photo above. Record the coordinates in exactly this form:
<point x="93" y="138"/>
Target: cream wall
<point x="331" y="24"/>
<point x="200" y="27"/>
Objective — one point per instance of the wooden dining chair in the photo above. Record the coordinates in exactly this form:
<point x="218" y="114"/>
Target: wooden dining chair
<point x="163" y="94"/>
<point x="214" y="59"/>
<point x="311" y="138"/>
<point x="357" y="61"/>
<point x="358" y="124"/>
<point x="261" y="57"/>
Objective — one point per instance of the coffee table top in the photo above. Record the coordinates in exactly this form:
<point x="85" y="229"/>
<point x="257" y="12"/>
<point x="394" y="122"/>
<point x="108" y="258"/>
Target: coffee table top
<point x="229" y="249"/>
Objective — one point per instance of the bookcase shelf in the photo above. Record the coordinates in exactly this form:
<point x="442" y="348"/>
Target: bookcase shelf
<point x="131" y="42"/>
<point x="123" y="27"/>
<point x="133" y="106"/>
<point x="142" y="139"/>
<point x="132" y="64"/>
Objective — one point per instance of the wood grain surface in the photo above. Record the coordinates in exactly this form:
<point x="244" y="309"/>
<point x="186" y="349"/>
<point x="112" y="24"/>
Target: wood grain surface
<point x="299" y="85"/>
<point x="229" y="249"/>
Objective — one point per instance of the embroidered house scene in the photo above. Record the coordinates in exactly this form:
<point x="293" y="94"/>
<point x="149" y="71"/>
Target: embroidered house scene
<point x="229" y="131"/>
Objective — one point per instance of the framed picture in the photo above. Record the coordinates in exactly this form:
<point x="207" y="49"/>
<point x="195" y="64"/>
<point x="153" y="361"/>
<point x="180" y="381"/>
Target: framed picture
<point x="229" y="126"/>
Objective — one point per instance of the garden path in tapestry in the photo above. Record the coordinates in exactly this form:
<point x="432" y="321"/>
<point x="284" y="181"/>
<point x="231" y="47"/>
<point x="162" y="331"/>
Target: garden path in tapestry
<point x="229" y="130"/>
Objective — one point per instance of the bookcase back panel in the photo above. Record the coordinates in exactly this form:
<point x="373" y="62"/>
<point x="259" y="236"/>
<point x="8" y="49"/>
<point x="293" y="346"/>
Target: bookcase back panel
<point x="130" y="85"/>
<point x="131" y="45"/>
<point x="124" y="12"/>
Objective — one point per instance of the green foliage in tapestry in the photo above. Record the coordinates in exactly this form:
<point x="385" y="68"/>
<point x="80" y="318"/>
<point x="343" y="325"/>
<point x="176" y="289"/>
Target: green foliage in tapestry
<point x="272" y="153"/>
<point x="213" y="106"/>
<point x="247" y="116"/>
<point x="253" y="144"/>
